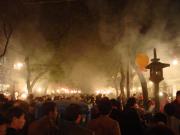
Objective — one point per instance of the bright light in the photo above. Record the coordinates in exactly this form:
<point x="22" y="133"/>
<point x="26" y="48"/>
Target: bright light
<point x="133" y="90"/>
<point x="64" y="90"/>
<point x="39" y="90"/>
<point x="175" y="62"/>
<point x="105" y="91"/>
<point x="174" y="91"/>
<point x="139" y="88"/>
<point x="150" y="83"/>
<point x="48" y="92"/>
<point x="7" y="85"/>
<point x="16" y="95"/>
<point x="58" y="91"/>
<point x="98" y="92"/>
<point x="71" y="91"/>
<point x="79" y="91"/>
<point x="170" y="98"/>
<point x="18" y="66"/>
<point x="160" y="94"/>
<point x="52" y="91"/>
<point x="7" y="94"/>
<point x="24" y="96"/>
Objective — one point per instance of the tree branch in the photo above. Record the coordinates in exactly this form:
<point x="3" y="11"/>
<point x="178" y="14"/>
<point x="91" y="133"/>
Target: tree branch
<point x="37" y="78"/>
<point x="7" y="36"/>
<point x="32" y="2"/>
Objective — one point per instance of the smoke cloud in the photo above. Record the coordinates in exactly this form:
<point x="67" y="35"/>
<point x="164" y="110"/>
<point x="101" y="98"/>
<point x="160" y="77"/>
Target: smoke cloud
<point x="87" y="37"/>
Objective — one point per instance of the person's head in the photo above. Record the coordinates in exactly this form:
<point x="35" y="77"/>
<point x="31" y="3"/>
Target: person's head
<point x="22" y="104"/>
<point x="115" y="104"/>
<point x="16" y="118"/>
<point x="50" y="109"/>
<point x="149" y="103"/>
<point x="105" y="106"/>
<point x="98" y="98"/>
<point x="32" y="107"/>
<point x="160" y="130"/>
<point x="169" y="109"/>
<point x="159" y="118"/>
<point x="178" y="96"/>
<point x="131" y="102"/>
<point x="30" y="97"/>
<point x="73" y="113"/>
<point x="2" y="98"/>
<point x="3" y="125"/>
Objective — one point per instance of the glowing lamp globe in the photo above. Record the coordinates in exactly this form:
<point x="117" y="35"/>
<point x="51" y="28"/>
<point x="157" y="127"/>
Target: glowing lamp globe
<point x="142" y="60"/>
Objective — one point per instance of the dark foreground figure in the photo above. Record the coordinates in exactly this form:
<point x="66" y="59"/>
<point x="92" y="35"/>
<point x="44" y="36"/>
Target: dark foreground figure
<point x="19" y="118"/>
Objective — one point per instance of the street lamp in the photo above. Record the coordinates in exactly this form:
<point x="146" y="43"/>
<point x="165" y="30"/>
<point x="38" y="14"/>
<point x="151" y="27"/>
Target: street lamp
<point x="156" y="76"/>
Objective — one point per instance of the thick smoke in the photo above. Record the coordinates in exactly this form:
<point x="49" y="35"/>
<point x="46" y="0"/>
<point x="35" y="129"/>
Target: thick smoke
<point x="89" y="42"/>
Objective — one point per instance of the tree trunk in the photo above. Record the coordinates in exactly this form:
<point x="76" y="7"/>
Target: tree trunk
<point x="30" y="84"/>
<point x="46" y="89"/>
<point x="115" y="85"/>
<point x="144" y="86"/>
<point x="37" y="78"/>
<point x="7" y="29"/>
<point x="128" y="82"/>
<point x="28" y="77"/>
<point x="122" y="84"/>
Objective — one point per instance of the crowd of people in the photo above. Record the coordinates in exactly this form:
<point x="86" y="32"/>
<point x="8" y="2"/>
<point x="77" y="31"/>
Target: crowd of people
<point x="86" y="115"/>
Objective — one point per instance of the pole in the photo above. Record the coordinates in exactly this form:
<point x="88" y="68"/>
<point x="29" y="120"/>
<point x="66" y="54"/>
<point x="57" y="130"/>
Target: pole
<point x="128" y="67"/>
<point x="156" y="95"/>
<point x="127" y="83"/>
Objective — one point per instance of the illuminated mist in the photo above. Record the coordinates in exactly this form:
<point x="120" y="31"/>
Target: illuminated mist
<point x="86" y="38"/>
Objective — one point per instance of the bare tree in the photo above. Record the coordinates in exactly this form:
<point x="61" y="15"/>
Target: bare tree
<point x="119" y="78"/>
<point x="122" y="83"/>
<point x="7" y="32"/>
<point x="143" y="85"/>
<point x="32" y="81"/>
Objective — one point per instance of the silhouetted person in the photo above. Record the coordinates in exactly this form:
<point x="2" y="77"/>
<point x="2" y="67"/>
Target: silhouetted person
<point x="71" y="125"/>
<point x="31" y="112"/>
<point x="104" y="125"/>
<point x="159" y="119"/>
<point x="95" y="110"/>
<point x="160" y="130"/>
<point x="131" y="121"/>
<point x="3" y="125"/>
<point x="116" y="113"/>
<point x="46" y="125"/>
<point x="172" y="121"/>
<point x="16" y="121"/>
<point x="176" y="104"/>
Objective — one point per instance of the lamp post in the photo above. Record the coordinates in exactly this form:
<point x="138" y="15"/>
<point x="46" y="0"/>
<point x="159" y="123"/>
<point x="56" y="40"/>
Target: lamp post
<point x="156" y="76"/>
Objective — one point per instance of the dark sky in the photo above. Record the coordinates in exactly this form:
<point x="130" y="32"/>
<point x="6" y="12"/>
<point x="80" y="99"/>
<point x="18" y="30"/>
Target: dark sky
<point x="90" y="35"/>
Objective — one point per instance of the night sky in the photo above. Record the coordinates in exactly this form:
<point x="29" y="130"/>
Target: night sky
<point x="86" y="38"/>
